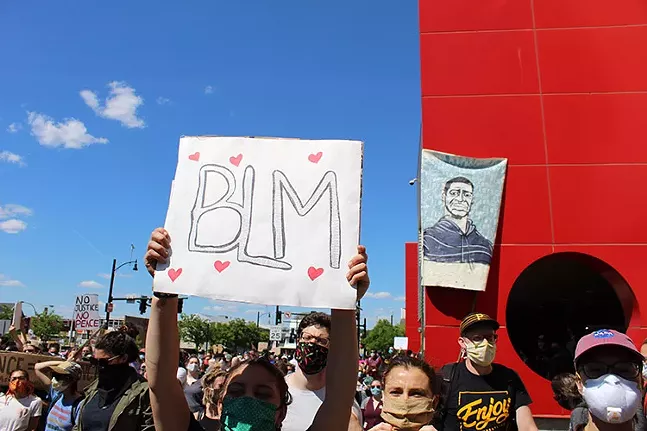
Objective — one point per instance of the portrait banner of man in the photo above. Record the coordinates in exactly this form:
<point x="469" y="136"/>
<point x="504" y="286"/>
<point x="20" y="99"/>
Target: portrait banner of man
<point x="460" y="201"/>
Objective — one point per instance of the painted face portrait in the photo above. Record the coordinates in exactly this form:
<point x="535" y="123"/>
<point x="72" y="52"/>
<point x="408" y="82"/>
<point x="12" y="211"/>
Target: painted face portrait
<point x="458" y="199"/>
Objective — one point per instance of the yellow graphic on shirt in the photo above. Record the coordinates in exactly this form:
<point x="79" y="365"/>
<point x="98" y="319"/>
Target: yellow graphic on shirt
<point x="483" y="411"/>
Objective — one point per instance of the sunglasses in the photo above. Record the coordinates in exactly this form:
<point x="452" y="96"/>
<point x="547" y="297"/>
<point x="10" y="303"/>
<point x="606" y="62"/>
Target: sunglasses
<point x="103" y="362"/>
<point x="626" y="370"/>
<point x="492" y="338"/>
<point x="13" y="379"/>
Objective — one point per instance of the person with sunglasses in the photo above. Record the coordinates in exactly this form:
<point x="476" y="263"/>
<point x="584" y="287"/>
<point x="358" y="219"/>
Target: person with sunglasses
<point x="20" y="409"/>
<point x="118" y="399"/>
<point x="372" y="406"/>
<point x="609" y="369"/>
<point x="477" y="394"/>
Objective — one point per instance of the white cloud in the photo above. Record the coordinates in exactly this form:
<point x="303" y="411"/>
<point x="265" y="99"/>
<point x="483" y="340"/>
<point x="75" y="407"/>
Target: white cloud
<point x="13" y="210"/>
<point x="208" y="89"/>
<point x="90" y="284"/>
<point x="14" y="127"/>
<point x="378" y="295"/>
<point x="9" y="157"/>
<point x="399" y="298"/>
<point x="103" y="275"/>
<point x="163" y="100"/>
<point x="120" y="105"/>
<point x="13" y="226"/>
<point x="71" y="133"/>
<point x="6" y="281"/>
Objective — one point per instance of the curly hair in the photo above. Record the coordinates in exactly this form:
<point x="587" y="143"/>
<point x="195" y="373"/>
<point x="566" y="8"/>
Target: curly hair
<point x="565" y="390"/>
<point x="120" y="342"/>
<point x="207" y="382"/>
<point x="315" y="319"/>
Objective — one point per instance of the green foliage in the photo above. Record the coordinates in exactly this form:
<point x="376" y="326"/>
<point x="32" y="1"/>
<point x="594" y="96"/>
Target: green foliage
<point x="238" y="333"/>
<point x="381" y="336"/>
<point x="194" y="329"/>
<point x="47" y="325"/>
<point x="6" y="312"/>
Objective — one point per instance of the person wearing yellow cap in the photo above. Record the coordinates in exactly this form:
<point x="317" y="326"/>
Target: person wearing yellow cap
<point x="476" y="393"/>
<point x="62" y="377"/>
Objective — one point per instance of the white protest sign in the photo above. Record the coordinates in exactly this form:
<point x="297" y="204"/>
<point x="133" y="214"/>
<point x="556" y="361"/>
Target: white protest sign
<point x="16" y="320"/>
<point x="264" y="220"/>
<point x="401" y="343"/>
<point x="275" y="333"/>
<point x="86" y="312"/>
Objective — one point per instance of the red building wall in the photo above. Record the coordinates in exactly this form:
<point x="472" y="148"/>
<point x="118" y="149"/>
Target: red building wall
<point x="559" y="87"/>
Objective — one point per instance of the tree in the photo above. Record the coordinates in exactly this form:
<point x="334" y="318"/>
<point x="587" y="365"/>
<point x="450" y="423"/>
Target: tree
<point x="381" y="336"/>
<point x="6" y="312"/>
<point x="47" y="325"/>
<point x="238" y="333"/>
<point x="194" y="329"/>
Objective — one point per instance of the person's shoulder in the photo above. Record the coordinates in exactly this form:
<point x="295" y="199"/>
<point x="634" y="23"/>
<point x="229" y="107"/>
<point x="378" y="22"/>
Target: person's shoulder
<point x="502" y="370"/>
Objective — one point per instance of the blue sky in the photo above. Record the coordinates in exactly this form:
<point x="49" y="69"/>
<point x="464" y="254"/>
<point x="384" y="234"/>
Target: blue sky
<point x="94" y="97"/>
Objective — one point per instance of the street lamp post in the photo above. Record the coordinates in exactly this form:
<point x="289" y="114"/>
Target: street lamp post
<point x="258" y="317"/>
<point x="115" y="268"/>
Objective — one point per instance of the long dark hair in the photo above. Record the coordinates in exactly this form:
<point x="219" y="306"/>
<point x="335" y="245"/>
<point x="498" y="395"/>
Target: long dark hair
<point x="120" y="342"/>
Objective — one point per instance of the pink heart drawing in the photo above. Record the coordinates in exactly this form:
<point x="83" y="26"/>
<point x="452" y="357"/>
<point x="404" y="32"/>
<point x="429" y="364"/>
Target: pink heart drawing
<point x="236" y="160"/>
<point x="195" y="156"/>
<point x="221" y="266"/>
<point x="314" y="158"/>
<point x="314" y="273"/>
<point x="173" y="274"/>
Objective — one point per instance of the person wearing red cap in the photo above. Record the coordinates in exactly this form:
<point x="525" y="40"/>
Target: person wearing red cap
<point x="609" y="367"/>
<point x="477" y="394"/>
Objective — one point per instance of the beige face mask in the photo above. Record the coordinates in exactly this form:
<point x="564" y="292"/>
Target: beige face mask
<point x="410" y="414"/>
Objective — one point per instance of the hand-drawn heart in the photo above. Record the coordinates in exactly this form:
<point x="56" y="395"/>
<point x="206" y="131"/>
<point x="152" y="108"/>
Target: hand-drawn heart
<point x="314" y="273"/>
<point x="173" y="274"/>
<point x="314" y="158"/>
<point x="221" y="266"/>
<point x="236" y="160"/>
<point x="195" y="157"/>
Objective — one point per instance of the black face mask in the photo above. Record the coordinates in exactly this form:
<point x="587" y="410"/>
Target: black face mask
<point x="312" y="357"/>
<point x="113" y="376"/>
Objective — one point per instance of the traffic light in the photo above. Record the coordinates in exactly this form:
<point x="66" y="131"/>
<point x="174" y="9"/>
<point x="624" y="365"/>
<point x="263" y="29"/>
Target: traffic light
<point x="293" y="336"/>
<point x="180" y="304"/>
<point x="278" y="316"/>
<point x="143" y="304"/>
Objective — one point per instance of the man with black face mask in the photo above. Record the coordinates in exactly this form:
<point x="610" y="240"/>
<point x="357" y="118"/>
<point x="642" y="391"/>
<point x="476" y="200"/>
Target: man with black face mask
<point x="308" y="383"/>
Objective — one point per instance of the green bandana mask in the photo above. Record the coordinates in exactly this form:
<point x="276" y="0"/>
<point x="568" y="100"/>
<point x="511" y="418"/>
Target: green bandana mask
<point x="247" y="414"/>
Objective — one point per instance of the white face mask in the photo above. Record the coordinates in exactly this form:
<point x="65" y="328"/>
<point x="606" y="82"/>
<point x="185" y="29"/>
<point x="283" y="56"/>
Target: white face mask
<point x="59" y="386"/>
<point x="611" y="398"/>
<point x="481" y="353"/>
<point x="192" y="368"/>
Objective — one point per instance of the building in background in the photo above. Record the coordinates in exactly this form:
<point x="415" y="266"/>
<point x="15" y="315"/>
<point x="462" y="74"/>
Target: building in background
<point x="557" y="87"/>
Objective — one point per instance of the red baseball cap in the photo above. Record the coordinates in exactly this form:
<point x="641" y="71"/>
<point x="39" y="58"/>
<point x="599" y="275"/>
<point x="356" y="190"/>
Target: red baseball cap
<point x="605" y="337"/>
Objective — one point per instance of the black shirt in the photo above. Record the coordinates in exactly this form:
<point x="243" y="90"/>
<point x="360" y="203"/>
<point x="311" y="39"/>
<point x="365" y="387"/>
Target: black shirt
<point x="193" y="395"/>
<point x="484" y="403"/>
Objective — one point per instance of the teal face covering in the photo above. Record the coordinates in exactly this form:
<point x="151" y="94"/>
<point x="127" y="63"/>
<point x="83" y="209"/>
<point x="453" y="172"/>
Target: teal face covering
<point x="247" y="414"/>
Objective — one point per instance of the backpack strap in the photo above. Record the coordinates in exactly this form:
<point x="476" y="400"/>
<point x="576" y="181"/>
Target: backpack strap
<point x="447" y="372"/>
<point x="76" y="406"/>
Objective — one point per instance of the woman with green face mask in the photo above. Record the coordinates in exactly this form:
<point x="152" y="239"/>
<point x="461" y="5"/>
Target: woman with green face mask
<point x="255" y="395"/>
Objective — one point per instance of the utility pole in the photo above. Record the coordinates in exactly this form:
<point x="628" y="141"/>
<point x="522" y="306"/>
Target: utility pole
<point x="112" y="282"/>
<point x="258" y="318"/>
<point x="391" y="319"/>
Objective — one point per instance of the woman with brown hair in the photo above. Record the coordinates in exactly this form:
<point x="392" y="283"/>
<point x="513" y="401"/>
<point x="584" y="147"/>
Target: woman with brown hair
<point x="408" y="401"/>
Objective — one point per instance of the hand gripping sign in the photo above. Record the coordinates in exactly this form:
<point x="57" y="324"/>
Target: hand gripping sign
<point x="264" y="220"/>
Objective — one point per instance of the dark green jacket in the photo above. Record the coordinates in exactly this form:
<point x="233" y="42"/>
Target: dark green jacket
<point x="133" y="411"/>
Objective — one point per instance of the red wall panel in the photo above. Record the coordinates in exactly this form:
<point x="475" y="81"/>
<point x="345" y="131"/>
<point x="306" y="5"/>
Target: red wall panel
<point x="478" y="63"/>
<point x="508" y="125"/>
<point x="587" y="13"/>
<point x="596" y="128"/>
<point x="436" y="16"/>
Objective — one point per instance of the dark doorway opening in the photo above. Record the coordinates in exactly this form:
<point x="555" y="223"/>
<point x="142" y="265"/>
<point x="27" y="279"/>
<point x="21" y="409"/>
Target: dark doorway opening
<point x="558" y="299"/>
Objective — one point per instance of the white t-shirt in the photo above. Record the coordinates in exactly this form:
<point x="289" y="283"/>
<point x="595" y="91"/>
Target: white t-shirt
<point x="15" y="414"/>
<point x="304" y="407"/>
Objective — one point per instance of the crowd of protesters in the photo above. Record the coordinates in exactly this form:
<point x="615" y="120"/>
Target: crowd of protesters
<point x="323" y="386"/>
